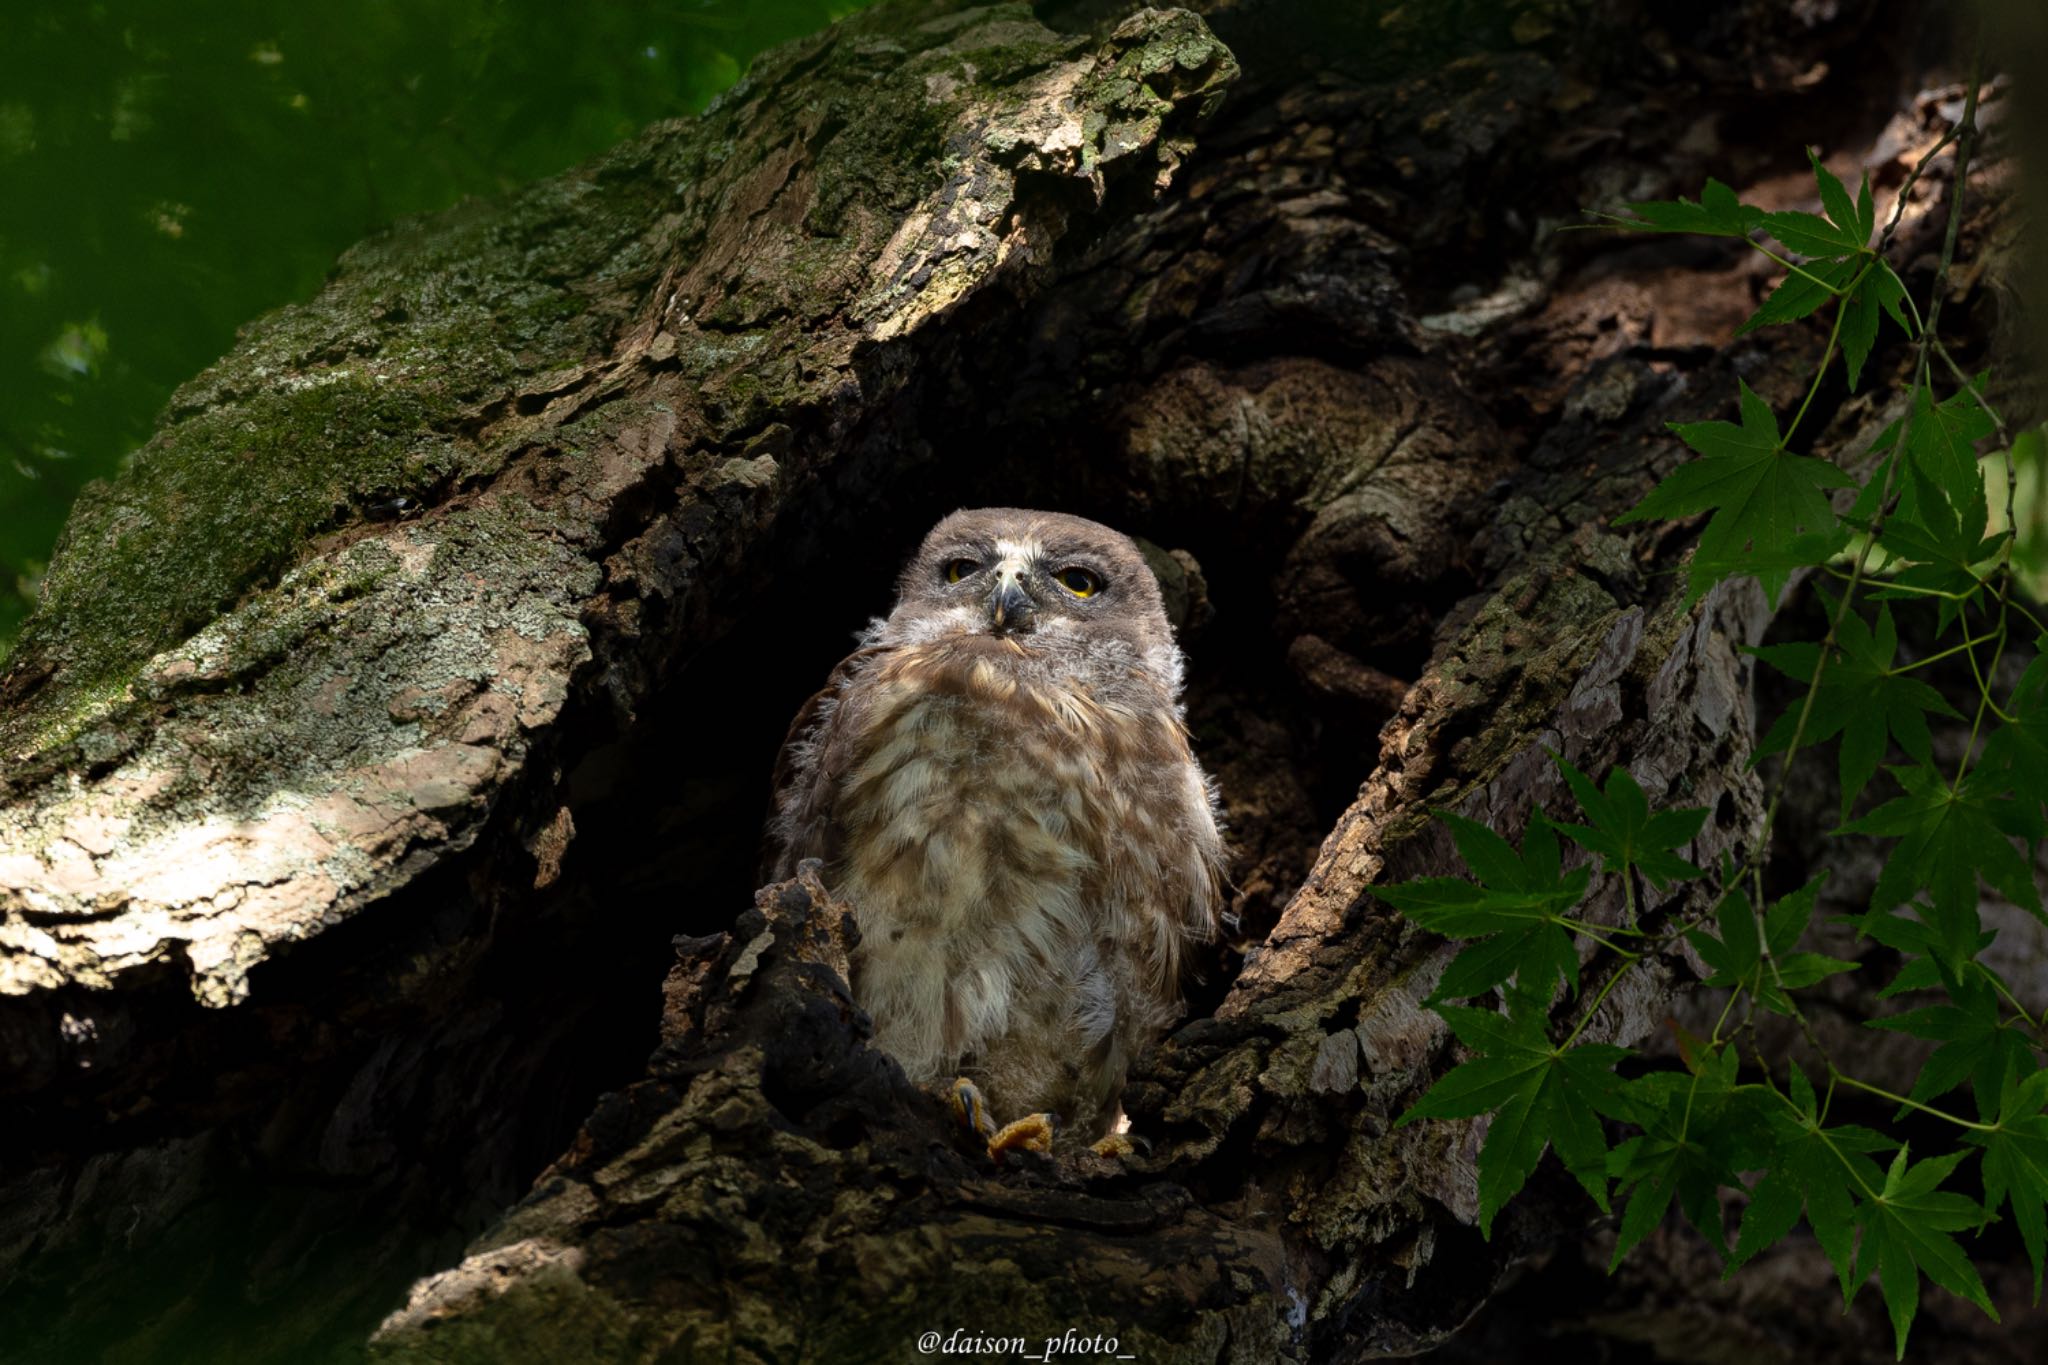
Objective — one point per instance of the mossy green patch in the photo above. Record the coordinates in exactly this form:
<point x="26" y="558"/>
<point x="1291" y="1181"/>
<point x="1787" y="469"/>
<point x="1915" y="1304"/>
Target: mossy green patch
<point x="222" y="502"/>
<point x="352" y="407"/>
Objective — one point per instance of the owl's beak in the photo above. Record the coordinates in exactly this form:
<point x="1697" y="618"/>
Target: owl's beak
<point x="1010" y="609"/>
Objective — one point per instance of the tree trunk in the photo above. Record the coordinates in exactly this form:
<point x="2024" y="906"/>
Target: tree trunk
<point x="381" y="726"/>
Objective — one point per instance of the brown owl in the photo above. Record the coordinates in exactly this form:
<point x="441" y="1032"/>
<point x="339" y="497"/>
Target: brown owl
<point x="999" y="780"/>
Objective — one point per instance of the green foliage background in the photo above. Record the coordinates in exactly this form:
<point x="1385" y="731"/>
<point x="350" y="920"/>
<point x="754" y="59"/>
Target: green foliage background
<point x="169" y="171"/>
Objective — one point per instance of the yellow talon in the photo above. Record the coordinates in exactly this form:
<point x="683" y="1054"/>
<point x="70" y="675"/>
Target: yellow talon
<point x="1032" y="1133"/>
<point x="1116" y="1146"/>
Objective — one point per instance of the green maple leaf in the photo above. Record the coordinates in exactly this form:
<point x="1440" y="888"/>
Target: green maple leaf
<point x="1930" y="955"/>
<point x="1787" y="970"/>
<point x="1718" y="214"/>
<point x="1541" y="1096"/>
<point x="1866" y="207"/>
<point x="1940" y="527"/>
<point x="1860" y="698"/>
<point x="1939" y="532"/>
<point x="1801" y="293"/>
<point x="1943" y="438"/>
<point x="1712" y="563"/>
<point x="1762" y="497"/>
<point x="1880" y="291"/>
<point x="1766" y="966"/>
<point x="1625" y="834"/>
<point x="1976" y="1043"/>
<point x="1920" y="974"/>
<point x="1699" y="1129"/>
<point x="1535" y="957"/>
<point x="1940" y="541"/>
<point x="1842" y="268"/>
<point x="1737" y="956"/>
<point x="1855" y="221"/>
<point x="1906" y="1229"/>
<point x="1522" y="899"/>
<point x="2016" y="1163"/>
<point x="1948" y="837"/>
<point x="1932" y="964"/>
<point x="2016" y="754"/>
<point x="1809" y="234"/>
<point x="1941" y="441"/>
<point x="1811" y="1171"/>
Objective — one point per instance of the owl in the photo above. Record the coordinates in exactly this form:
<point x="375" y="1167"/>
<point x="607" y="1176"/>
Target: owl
<point x="999" y="781"/>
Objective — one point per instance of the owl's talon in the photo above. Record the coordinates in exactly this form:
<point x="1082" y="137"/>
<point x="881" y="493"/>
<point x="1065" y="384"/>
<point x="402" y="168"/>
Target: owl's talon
<point x="1032" y="1133"/>
<point x="1115" y="1146"/>
<point x="970" y="1106"/>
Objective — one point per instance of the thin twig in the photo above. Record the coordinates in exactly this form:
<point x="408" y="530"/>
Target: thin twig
<point x="1966" y="143"/>
<point x="1912" y="177"/>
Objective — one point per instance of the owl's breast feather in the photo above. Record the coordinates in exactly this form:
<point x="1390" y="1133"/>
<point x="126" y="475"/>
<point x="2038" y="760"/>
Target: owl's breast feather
<point x="982" y="851"/>
<point x="968" y="755"/>
<point x="1007" y="720"/>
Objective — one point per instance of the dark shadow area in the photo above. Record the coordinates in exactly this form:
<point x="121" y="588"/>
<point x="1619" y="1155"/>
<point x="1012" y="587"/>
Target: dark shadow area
<point x="303" y="1122"/>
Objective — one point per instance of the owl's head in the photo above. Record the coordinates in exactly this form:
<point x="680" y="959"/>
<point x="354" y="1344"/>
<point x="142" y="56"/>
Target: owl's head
<point x="1052" y="583"/>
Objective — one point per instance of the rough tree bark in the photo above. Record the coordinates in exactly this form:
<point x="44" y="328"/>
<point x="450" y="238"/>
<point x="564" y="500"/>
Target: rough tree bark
<point x="381" y="726"/>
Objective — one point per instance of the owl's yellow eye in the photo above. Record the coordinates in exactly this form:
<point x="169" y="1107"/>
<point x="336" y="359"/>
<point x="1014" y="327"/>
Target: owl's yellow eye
<point x="1079" y="582"/>
<point x="961" y="568"/>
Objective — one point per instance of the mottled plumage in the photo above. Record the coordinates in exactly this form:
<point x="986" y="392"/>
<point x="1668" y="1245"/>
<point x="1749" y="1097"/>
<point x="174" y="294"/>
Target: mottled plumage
<point x="999" y="781"/>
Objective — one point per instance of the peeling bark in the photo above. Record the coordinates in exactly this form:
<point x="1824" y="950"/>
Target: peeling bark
<point x="331" y="841"/>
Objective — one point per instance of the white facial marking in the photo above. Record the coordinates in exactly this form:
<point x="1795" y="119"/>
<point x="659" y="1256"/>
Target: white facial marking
<point x="1022" y="551"/>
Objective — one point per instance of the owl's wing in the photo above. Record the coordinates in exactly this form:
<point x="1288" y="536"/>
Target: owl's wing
<point x="1193" y="897"/>
<point x="815" y="754"/>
